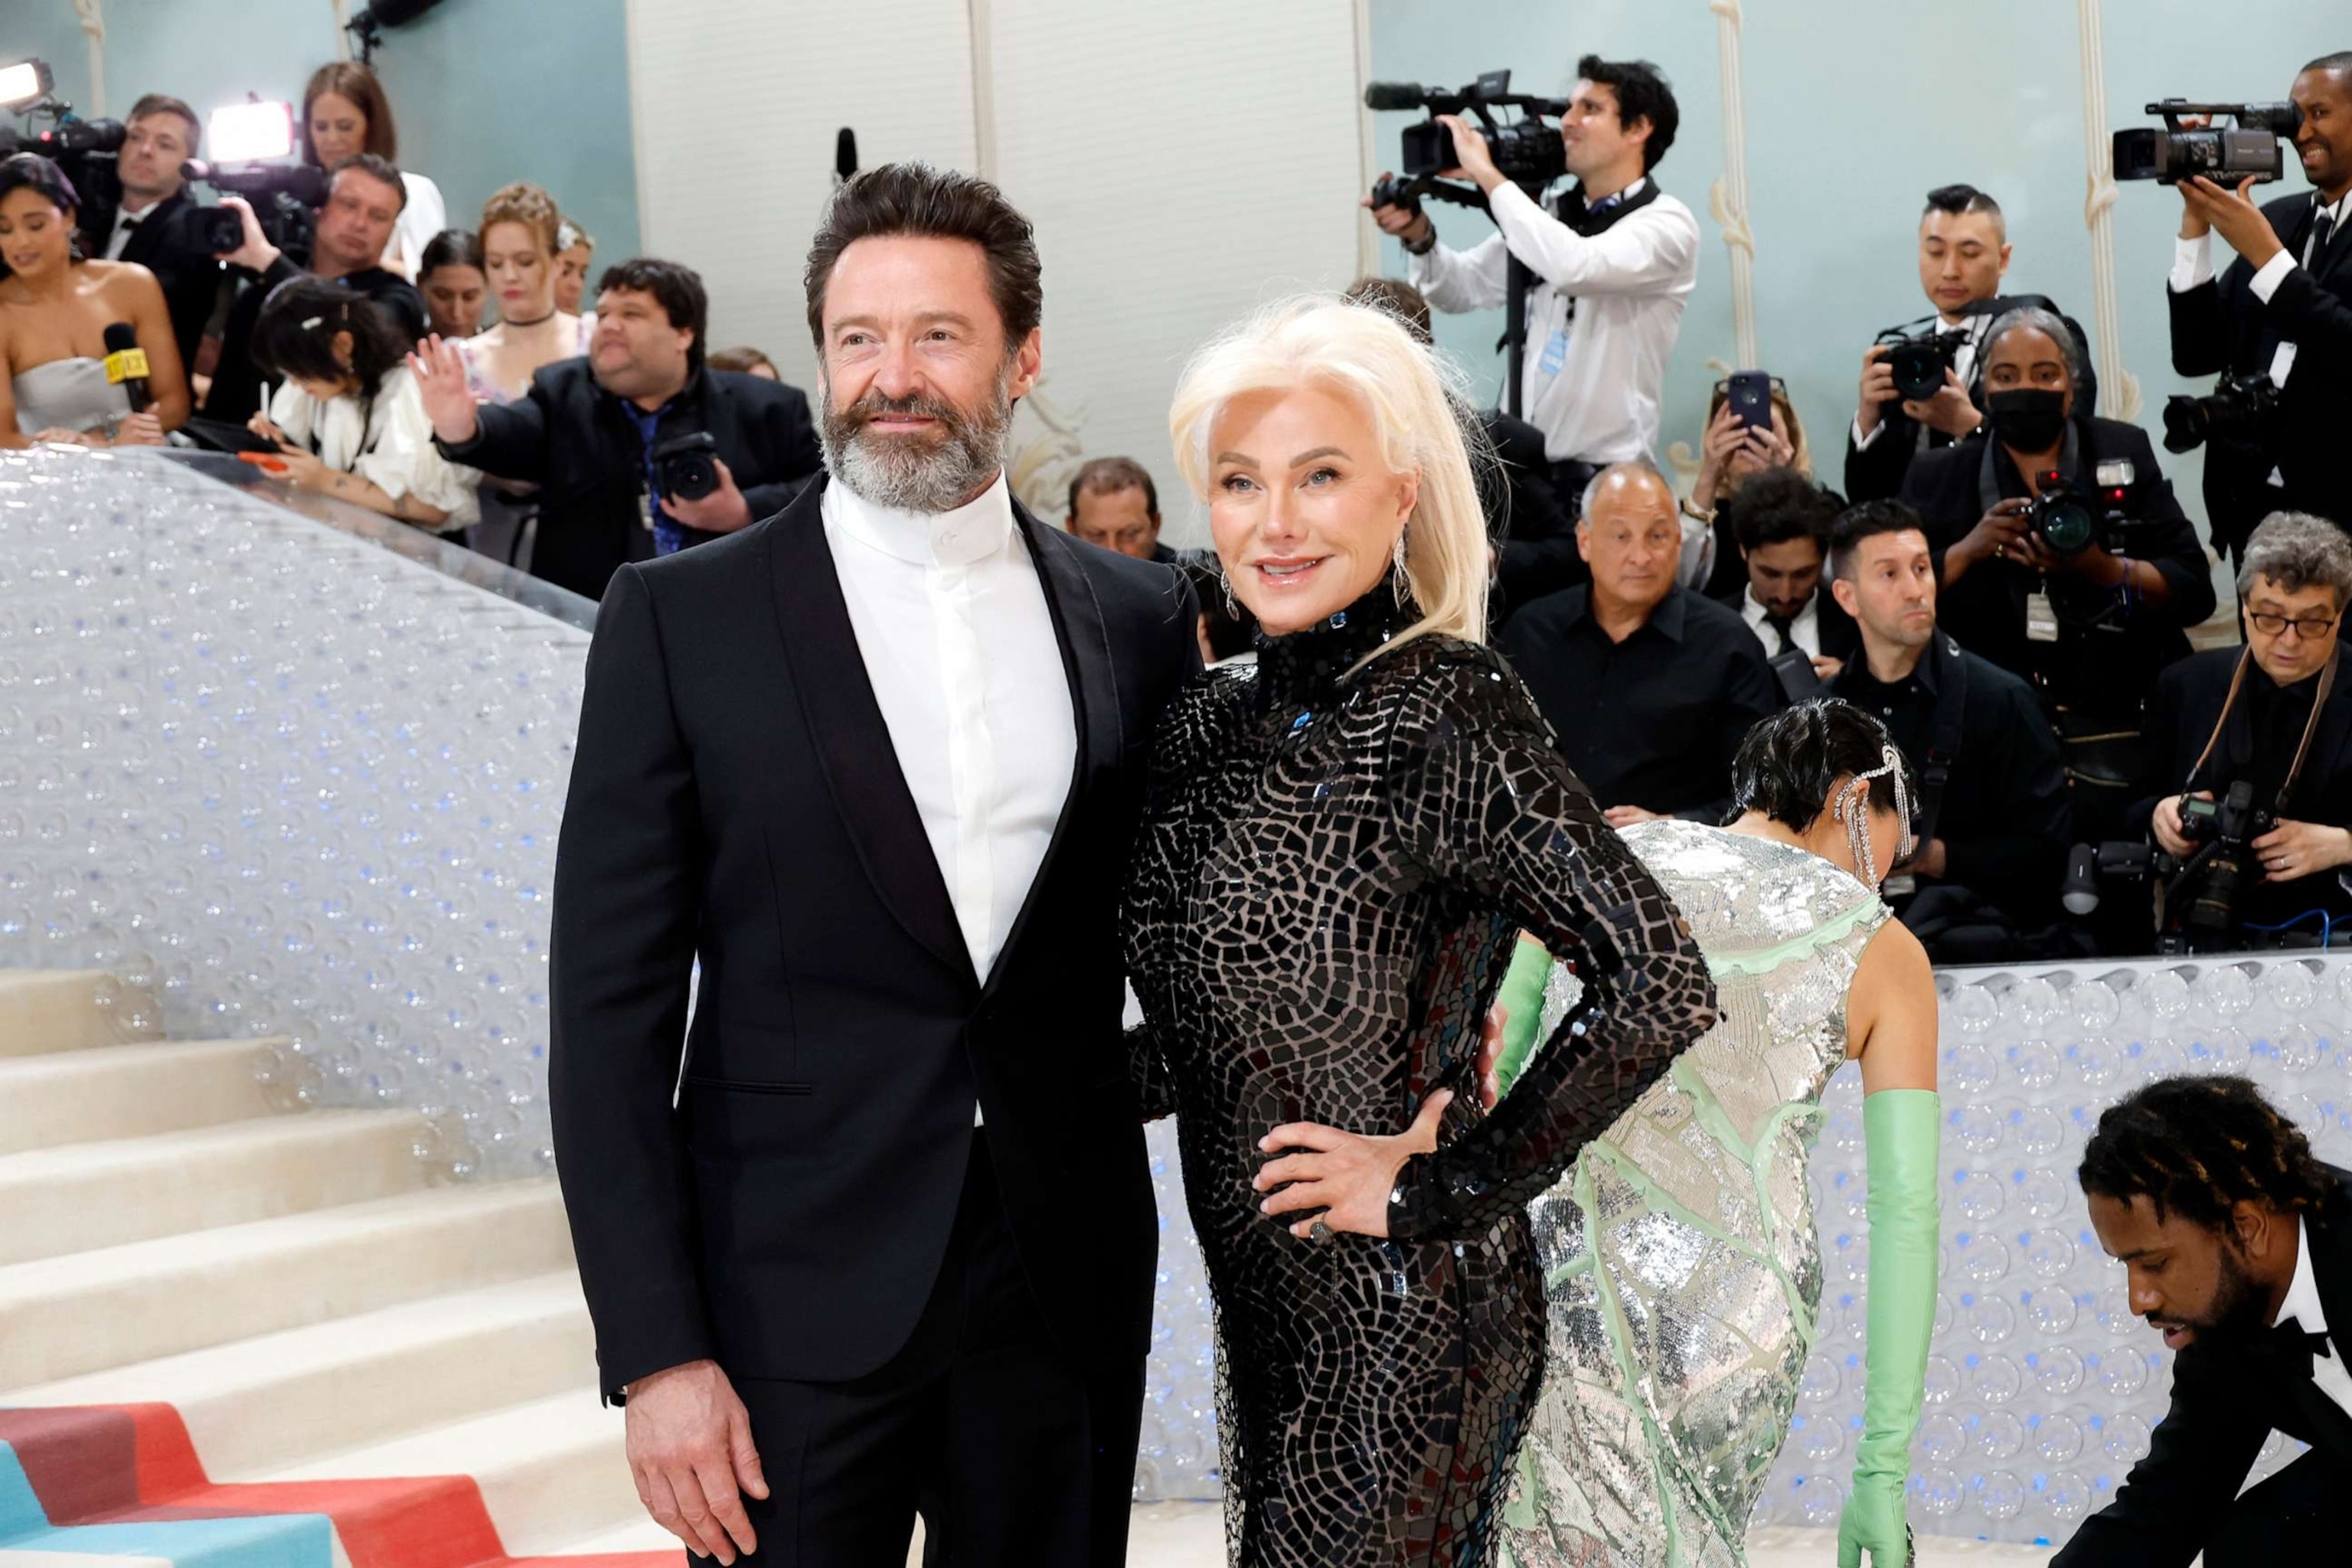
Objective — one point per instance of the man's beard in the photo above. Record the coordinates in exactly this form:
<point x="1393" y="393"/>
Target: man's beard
<point x="933" y="472"/>
<point x="2238" y="1309"/>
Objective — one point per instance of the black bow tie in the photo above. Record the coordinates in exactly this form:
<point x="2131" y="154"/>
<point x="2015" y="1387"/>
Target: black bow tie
<point x="2297" y="1347"/>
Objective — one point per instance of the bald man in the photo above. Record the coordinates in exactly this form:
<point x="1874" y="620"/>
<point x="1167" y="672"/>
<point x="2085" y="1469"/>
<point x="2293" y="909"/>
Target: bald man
<point x="1648" y="686"/>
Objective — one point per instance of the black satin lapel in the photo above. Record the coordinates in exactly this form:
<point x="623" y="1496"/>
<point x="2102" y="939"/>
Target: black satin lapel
<point x="861" y="769"/>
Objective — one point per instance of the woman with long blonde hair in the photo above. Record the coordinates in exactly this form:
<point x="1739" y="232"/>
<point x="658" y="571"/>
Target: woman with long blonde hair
<point x="1338" y="848"/>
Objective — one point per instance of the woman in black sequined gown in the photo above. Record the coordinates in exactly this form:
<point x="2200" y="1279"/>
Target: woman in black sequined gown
<point x="1337" y="851"/>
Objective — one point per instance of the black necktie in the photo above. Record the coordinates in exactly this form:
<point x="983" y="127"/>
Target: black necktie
<point x="2295" y="1347"/>
<point x="2321" y="233"/>
<point x="1781" y="625"/>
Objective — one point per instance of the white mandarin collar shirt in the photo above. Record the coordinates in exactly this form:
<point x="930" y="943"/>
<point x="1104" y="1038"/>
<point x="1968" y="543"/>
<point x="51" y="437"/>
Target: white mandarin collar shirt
<point x="2304" y="1306"/>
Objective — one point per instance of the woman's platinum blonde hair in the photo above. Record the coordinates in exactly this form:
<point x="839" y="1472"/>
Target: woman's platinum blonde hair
<point x="1422" y="425"/>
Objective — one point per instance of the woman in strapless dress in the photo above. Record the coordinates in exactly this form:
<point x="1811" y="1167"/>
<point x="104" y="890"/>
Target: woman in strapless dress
<point x="55" y="308"/>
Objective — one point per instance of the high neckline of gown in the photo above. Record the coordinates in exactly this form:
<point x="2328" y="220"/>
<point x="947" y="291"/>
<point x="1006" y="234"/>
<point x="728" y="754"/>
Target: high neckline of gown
<point x="1308" y="664"/>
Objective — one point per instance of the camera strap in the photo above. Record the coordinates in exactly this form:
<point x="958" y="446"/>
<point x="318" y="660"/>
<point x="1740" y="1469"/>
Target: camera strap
<point x="1943" y="735"/>
<point x="2303" y="747"/>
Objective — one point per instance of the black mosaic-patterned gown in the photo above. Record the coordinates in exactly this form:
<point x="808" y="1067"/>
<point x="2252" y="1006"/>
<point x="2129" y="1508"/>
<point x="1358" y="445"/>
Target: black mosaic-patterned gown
<point x="1323" y="899"/>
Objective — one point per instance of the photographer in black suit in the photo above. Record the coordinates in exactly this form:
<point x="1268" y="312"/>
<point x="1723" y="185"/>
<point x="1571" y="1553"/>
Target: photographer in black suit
<point x="2283" y="310"/>
<point x="156" y="224"/>
<point x="2237" y="1244"/>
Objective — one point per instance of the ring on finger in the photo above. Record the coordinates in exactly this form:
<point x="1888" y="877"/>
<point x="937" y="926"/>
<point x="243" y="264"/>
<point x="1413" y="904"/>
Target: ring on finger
<point x="1319" y="1232"/>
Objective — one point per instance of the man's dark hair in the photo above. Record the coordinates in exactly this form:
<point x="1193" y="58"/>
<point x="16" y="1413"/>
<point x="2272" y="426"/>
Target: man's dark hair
<point x="294" y="336"/>
<point x="1866" y="520"/>
<point x="2338" y="64"/>
<point x="1778" y="504"/>
<point x="2198" y="1146"/>
<point x="163" y="103"/>
<point x="1789" y="761"/>
<point x="1959" y="201"/>
<point x="1107" y="476"/>
<point x="1399" y="299"/>
<point x="679" y="290"/>
<point x="374" y="168"/>
<point x="1642" y="94"/>
<point x="916" y="199"/>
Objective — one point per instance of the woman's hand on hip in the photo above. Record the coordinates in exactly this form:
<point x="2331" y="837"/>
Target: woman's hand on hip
<point x="1347" y="1176"/>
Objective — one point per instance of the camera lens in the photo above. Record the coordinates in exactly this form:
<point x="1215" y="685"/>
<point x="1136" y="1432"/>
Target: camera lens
<point x="2063" y="523"/>
<point x="2184" y="423"/>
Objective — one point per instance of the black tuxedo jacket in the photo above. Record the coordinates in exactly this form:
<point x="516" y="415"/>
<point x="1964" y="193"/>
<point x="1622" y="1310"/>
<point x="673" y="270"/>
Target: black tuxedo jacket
<point x="735" y="798"/>
<point x="2221" y="325"/>
<point x="571" y="438"/>
<point x="1841" y="638"/>
<point x="2226" y="1398"/>
<point x="167" y="244"/>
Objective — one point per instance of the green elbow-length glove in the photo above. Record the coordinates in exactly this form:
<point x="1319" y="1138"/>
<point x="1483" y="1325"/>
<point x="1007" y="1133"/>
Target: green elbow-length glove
<point x="1521" y="999"/>
<point x="1900" y="1128"/>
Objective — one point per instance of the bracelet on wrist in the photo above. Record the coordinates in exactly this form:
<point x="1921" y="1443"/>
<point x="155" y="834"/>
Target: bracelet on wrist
<point x="1695" y="515"/>
<point x="1427" y="243"/>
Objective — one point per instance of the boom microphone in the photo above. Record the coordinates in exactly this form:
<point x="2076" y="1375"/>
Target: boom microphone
<point x="1394" y="95"/>
<point x="845" y="155"/>
<point x="126" y="365"/>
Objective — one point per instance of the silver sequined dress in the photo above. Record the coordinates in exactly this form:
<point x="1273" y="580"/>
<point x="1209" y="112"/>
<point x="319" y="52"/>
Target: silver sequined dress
<point x="1679" y="1257"/>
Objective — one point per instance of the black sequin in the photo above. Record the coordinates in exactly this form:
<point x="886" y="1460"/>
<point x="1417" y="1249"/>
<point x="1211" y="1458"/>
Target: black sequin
<point x="1333" y="866"/>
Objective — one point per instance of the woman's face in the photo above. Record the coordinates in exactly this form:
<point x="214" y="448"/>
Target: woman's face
<point x="571" y="277"/>
<point x="521" y="274"/>
<point x="339" y="129"/>
<point x="35" y="234"/>
<point x="453" y="298"/>
<point x="1303" y="506"/>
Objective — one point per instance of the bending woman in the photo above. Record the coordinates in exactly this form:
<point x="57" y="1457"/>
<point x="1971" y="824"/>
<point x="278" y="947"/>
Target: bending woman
<point x="1689" y="1306"/>
<point x="1337" y="847"/>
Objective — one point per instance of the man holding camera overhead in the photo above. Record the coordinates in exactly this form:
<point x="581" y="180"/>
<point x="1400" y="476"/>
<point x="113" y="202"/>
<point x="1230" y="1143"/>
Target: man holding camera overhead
<point x="1614" y="262"/>
<point x="2281" y="311"/>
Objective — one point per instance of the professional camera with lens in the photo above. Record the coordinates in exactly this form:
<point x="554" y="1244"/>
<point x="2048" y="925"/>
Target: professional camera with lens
<point x="686" y="465"/>
<point x="1920" y="359"/>
<point x="285" y="198"/>
<point x="2197" y="899"/>
<point x="2239" y="409"/>
<point x="2069" y="520"/>
<point x="1528" y="149"/>
<point x="2224" y="154"/>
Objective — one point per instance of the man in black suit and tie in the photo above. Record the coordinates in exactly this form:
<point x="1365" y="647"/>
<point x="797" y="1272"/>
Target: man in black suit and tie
<point x="2283" y="308"/>
<point x="1782" y="520"/>
<point x="155" y="223"/>
<point x="2238" y="1246"/>
<point x="883" y="1241"/>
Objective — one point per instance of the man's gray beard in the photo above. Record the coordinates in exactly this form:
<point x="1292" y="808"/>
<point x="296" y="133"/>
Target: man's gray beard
<point x="907" y="475"/>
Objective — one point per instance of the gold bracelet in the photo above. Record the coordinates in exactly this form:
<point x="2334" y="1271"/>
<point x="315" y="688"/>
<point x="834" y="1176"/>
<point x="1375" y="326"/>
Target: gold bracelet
<point x="1693" y="512"/>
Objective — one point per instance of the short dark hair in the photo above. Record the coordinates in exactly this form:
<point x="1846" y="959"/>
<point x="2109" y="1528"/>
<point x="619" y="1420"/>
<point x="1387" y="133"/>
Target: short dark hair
<point x="294" y="336"/>
<point x="450" y="247"/>
<point x="1399" y="299"/>
<point x="940" y="203"/>
<point x="1959" y="200"/>
<point x="1108" y="475"/>
<point x="2338" y="64"/>
<point x="1774" y="505"/>
<point x="1642" y="94"/>
<point x="31" y="172"/>
<point x="1867" y="519"/>
<point x="163" y="103"/>
<point x="677" y="287"/>
<point x="1789" y="763"/>
<point x="2197" y="1145"/>
<point x="743" y="360"/>
<point x="374" y="168"/>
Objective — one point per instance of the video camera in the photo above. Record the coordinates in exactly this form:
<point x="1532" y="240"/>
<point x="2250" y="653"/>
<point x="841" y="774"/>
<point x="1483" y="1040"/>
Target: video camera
<point x="2224" y="155"/>
<point x="285" y="197"/>
<point x="84" y="149"/>
<point x="1528" y="150"/>
<point x="2239" y="408"/>
<point x="2196" y="900"/>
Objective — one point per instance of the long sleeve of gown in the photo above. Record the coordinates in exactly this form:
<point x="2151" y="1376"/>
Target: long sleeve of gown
<point x="1484" y="802"/>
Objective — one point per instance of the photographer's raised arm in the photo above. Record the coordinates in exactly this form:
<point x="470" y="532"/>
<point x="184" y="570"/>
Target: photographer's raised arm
<point x="1631" y="257"/>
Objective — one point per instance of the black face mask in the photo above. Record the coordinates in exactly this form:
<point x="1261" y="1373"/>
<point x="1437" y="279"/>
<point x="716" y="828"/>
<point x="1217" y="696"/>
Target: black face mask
<point x="2029" y="418"/>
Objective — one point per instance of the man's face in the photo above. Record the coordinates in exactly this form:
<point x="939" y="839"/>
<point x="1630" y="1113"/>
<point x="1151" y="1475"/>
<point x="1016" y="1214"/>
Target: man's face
<point x="154" y="148"/>
<point x="1892" y="592"/>
<point x="2323" y="140"/>
<point x="357" y="222"/>
<point x="2284" y="653"/>
<point x="1116" y="520"/>
<point x="919" y="380"/>
<point x="1783" y="574"/>
<point x="1632" y="540"/>
<point x="1591" y="134"/>
<point x="1961" y="258"/>
<point x="2028" y="357"/>
<point x="2184" y="1277"/>
<point x="634" y="352"/>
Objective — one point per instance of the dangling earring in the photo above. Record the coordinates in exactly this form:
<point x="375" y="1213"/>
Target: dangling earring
<point x="1857" y="830"/>
<point x="1400" y="583"/>
<point x="1233" y="611"/>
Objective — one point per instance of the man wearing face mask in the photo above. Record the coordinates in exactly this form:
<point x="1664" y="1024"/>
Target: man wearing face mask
<point x="2091" y="627"/>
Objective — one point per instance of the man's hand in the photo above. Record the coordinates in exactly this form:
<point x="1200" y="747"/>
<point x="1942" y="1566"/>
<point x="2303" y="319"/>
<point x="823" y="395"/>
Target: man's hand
<point x="1623" y="816"/>
<point x="2166" y="826"/>
<point x="1948" y="411"/>
<point x="1348" y="1176"/>
<point x="723" y="511"/>
<point x="2233" y="215"/>
<point x="1877" y="389"/>
<point x="689" y="1444"/>
<point x="1827" y="669"/>
<point x="1477" y="164"/>
<point x="440" y="373"/>
<point x="2296" y="849"/>
<point x="1412" y="228"/>
<point x="1998" y="534"/>
<point x="255" y="250"/>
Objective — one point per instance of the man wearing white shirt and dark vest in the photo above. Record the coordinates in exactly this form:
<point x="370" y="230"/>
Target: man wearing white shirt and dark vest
<point x="873" y="1234"/>
<point x="1614" y="263"/>
<point x="2281" y="310"/>
<point x="2237" y="1245"/>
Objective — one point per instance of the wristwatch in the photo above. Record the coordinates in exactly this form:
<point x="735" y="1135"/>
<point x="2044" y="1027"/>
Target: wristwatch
<point x="1428" y="241"/>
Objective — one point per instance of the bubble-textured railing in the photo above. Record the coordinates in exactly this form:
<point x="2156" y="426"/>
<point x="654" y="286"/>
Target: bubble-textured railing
<point x="299" y="774"/>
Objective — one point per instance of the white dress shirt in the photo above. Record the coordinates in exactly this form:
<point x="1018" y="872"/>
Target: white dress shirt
<point x="1964" y="364"/>
<point x="2192" y="267"/>
<point x="1597" y="398"/>
<point x="2303" y="1305"/>
<point x="1805" y="631"/>
<point x="125" y="220"/>
<point x="958" y="645"/>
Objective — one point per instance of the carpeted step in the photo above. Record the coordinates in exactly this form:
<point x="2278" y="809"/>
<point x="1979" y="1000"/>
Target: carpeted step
<point x="45" y="1010"/>
<point x="128" y="1091"/>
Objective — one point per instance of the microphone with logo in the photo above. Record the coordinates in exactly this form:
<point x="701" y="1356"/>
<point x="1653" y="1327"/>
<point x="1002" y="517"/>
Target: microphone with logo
<point x="126" y="366"/>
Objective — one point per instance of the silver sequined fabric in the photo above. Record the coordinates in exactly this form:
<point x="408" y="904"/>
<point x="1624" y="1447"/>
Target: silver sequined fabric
<point x="1679" y="1257"/>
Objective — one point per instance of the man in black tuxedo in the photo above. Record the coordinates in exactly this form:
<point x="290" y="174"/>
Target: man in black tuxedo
<point x="1780" y="522"/>
<point x="156" y="224"/>
<point x="2238" y="1246"/>
<point x="884" y="1241"/>
<point x="2283" y="308"/>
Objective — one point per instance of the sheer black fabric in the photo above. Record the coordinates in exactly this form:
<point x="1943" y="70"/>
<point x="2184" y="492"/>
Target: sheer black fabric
<point x="1333" y="866"/>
